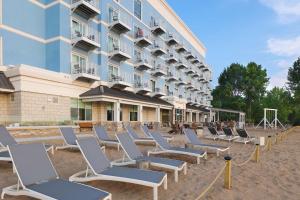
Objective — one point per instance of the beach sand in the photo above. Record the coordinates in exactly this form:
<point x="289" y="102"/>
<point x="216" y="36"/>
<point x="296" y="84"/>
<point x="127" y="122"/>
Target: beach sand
<point x="276" y="176"/>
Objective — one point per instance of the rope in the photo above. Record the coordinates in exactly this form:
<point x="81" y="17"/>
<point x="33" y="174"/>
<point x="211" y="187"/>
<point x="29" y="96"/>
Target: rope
<point x="211" y="184"/>
<point x="246" y="161"/>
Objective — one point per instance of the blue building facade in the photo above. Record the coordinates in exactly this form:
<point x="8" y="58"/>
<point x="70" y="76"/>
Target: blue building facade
<point x="125" y="44"/>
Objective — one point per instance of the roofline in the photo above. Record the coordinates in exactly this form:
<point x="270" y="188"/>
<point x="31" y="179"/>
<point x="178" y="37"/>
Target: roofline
<point x="182" y="23"/>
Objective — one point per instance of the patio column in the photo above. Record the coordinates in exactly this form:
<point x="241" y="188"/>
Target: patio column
<point x="158" y="114"/>
<point x="117" y="108"/>
<point x="140" y="113"/>
<point x="190" y="117"/>
<point x="197" y="117"/>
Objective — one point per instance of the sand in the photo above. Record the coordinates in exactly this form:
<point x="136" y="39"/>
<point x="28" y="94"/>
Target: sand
<point x="276" y="176"/>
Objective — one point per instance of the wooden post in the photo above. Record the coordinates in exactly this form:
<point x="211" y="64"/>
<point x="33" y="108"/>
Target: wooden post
<point x="227" y="178"/>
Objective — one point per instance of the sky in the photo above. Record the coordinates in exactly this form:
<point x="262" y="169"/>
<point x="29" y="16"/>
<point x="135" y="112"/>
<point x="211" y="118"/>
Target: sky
<point x="240" y="31"/>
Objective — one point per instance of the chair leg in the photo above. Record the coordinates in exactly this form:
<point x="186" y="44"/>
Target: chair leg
<point x="198" y="160"/>
<point x="185" y="169"/>
<point x="155" y="193"/>
<point x="176" y="175"/>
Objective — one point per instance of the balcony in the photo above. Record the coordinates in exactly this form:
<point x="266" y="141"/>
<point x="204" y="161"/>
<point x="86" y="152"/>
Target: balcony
<point x="171" y="57"/>
<point x="171" y="39"/>
<point x="158" y="93"/>
<point x="142" y="88"/>
<point x="195" y="60"/>
<point x="87" y="39"/>
<point x="182" y="64"/>
<point x="158" y="70"/>
<point x="181" y="81"/>
<point x="158" y="48"/>
<point x="142" y="38"/>
<point x="119" y="51"/>
<point x="190" y="71"/>
<point x="85" y="72"/>
<point x="201" y="78"/>
<point x="86" y="8"/>
<point x="201" y="66"/>
<point x="121" y="81"/>
<point x="196" y="74"/>
<point x="189" y="55"/>
<point x="180" y="48"/>
<point x="142" y="62"/>
<point x="119" y="21"/>
<point x="156" y="27"/>
<point x="172" y="76"/>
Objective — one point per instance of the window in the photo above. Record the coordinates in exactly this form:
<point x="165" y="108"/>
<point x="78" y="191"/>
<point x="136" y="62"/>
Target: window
<point x="78" y="28"/>
<point x="78" y="63"/>
<point x="12" y="97"/>
<point x="178" y="115"/>
<point x="138" y="9"/>
<point x="121" y="113"/>
<point x="110" y="112"/>
<point x="113" y="72"/>
<point x="113" y="43"/>
<point x="152" y="84"/>
<point x="133" y="113"/>
<point x="81" y="110"/>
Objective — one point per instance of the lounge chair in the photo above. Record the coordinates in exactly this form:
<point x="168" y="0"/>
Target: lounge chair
<point x="214" y="134"/>
<point x="37" y="177"/>
<point x="69" y="138"/>
<point x="244" y="136"/>
<point x="195" y="142"/>
<point x="137" y="138"/>
<point x="103" y="137"/>
<point x="6" y="139"/>
<point x="99" y="168"/>
<point x="134" y="154"/>
<point x="165" y="147"/>
<point x="229" y="136"/>
<point x="146" y="130"/>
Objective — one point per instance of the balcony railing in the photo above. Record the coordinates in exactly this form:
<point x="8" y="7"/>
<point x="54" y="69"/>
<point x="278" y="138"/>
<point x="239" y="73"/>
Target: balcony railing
<point x="143" y="38"/>
<point x="119" y="21"/>
<point x="122" y="80"/>
<point x="158" y="48"/>
<point x="157" y="26"/>
<point x="119" y="51"/>
<point x="171" y="39"/>
<point x="171" y="56"/>
<point x="143" y="61"/>
<point x="87" y="39"/>
<point x="85" y="71"/>
<point x="86" y="8"/>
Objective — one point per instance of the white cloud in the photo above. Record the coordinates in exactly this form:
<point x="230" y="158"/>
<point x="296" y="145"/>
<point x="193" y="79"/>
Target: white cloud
<point x="284" y="47"/>
<point x="286" y="10"/>
<point x="279" y="78"/>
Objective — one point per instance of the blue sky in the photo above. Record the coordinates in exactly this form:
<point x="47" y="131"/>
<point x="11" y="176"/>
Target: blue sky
<point x="264" y="31"/>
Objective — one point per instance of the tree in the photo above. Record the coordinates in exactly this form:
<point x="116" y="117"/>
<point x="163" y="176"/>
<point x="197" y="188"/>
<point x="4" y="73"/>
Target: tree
<point x="294" y="76"/>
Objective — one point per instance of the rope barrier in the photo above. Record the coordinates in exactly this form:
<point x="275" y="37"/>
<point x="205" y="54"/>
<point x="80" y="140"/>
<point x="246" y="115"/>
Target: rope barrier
<point x="211" y="184"/>
<point x="246" y="161"/>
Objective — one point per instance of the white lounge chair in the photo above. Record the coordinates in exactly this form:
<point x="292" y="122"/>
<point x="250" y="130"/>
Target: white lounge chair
<point x="69" y="138"/>
<point x="103" y="137"/>
<point x="146" y="130"/>
<point x="99" y="168"/>
<point x="165" y="147"/>
<point x="134" y="154"/>
<point x="137" y="138"/>
<point x="213" y="134"/>
<point x="6" y="139"/>
<point x="195" y="142"/>
<point x="229" y="135"/>
<point x="37" y="177"/>
<point x="244" y="136"/>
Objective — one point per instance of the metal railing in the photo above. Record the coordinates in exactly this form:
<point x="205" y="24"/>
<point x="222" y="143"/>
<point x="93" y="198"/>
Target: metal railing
<point x="142" y="58"/>
<point x="142" y="33"/>
<point x="156" y="22"/>
<point x="122" y="76"/>
<point x="119" y="16"/>
<point x="95" y="3"/>
<point x="141" y="85"/>
<point x="85" y="68"/>
<point x="170" y="36"/>
<point x="159" y="44"/>
<point x="119" y="45"/>
<point x="89" y="33"/>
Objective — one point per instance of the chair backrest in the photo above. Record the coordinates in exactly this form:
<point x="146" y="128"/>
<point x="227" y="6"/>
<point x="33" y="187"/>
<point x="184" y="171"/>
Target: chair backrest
<point x="242" y="133"/>
<point x="213" y="131"/>
<point x="68" y="135"/>
<point x="131" y="132"/>
<point x="6" y="138"/>
<point x="162" y="142"/>
<point x="228" y="131"/>
<point x="93" y="154"/>
<point x="101" y="133"/>
<point x="146" y="130"/>
<point x="191" y="136"/>
<point x="129" y="146"/>
<point x="32" y="163"/>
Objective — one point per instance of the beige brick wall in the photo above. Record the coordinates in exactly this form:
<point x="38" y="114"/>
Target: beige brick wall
<point x="3" y="108"/>
<point x="149" y="114"/>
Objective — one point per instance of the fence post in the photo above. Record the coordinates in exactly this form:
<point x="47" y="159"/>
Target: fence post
<point x="227" y="178"/>
<point x="257" y="153"/>
<point x="276" y="138"/>
<point x="269" y="143"/>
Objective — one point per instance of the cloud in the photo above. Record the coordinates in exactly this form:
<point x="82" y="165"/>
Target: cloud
<point x="284" y="47"/>
<point x="287" y="10"/>
<point x="279" y="79"/>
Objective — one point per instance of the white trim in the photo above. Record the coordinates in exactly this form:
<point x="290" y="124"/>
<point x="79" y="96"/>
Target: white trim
<point x="46" y="6"/>
<point x="32" y="37"/>
<point x="1" y="50"/>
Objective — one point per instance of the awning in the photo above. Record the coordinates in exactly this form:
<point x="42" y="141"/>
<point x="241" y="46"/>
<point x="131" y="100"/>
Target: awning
<point x="104" y="91"/>
<point x="5" y="84"/>
<point x="201" y="109"/>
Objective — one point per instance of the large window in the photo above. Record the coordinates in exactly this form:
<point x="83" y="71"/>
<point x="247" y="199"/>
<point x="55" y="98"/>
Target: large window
<point x="113" y="72"/>
<point x="133" y="113"/>
<point x="110" y="112"/>
<point x="152" y="84"/>
<point x="81" y="110"/>
<point x="179" y="115"/>
<point x="78" y="63"/>
<point x="138" y="9"/>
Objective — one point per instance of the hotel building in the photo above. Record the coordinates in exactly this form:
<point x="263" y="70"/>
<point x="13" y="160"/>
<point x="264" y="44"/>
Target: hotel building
<point x="107" y="61"/>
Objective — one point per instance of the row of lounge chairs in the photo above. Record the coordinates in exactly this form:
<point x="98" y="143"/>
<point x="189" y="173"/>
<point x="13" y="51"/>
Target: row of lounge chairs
<point x="38" y="178"/>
